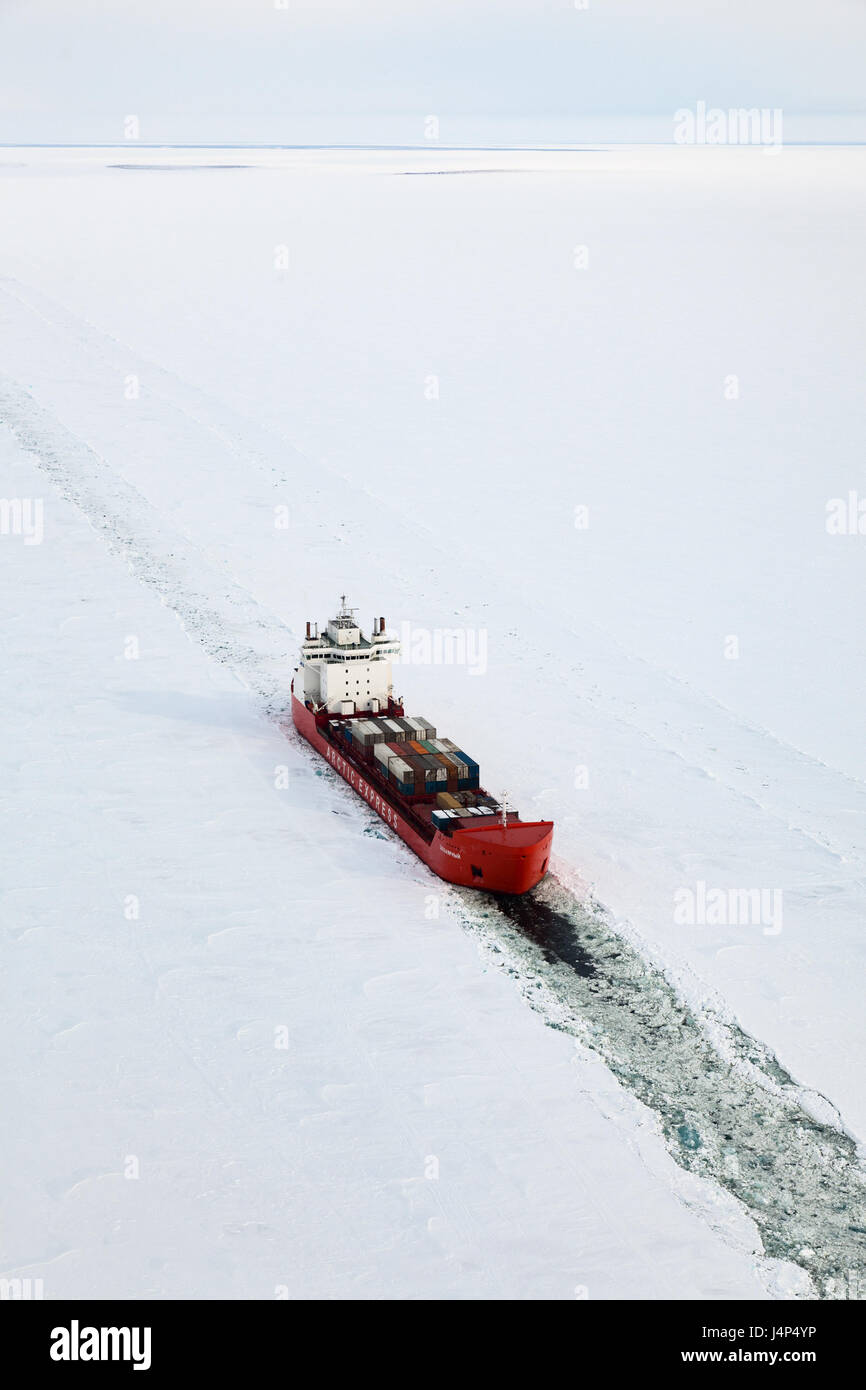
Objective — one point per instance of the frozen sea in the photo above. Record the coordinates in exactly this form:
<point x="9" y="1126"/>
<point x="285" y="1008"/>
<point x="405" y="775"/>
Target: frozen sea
<point x="593" y="409"/>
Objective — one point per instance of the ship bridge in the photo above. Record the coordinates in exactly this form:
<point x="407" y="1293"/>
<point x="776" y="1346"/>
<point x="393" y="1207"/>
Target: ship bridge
<point x="343" y="672"/>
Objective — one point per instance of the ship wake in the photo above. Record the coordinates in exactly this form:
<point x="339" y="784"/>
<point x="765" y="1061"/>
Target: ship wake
<point x="728" y="1110"/>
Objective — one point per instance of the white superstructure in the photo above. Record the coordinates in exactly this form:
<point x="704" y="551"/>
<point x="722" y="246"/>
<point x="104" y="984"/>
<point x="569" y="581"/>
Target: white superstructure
<point x="342" y="671"/>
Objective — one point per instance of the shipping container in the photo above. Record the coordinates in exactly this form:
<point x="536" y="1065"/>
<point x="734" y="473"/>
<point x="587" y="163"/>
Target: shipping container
<point x="393" y="766"/>
<point x="452" y="761"/>
<point x="472" y="776"/>
<point x="417" y="768"/>
<point x="447" y="802"/>
<point x="432" y="752"/>
<point x="441" y="746"/>
<point x="398" y="734"/>
<point x="464" y="757"/>
<point x="453" y="770"/>
<point x="393" y="746"/>
<point x="446" y="762"/>
<point x="423" y="728"/>
<point x="434" y="769"/>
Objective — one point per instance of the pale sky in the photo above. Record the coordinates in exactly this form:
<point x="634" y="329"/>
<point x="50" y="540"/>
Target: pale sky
<point x="250" y="70"/>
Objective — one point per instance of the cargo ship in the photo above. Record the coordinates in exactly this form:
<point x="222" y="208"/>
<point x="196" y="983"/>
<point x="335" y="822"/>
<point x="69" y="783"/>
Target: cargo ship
<point x="424" y="787"/>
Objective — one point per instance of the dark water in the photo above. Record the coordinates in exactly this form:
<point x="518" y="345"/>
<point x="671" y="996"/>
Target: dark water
<point x="552" y="932"/>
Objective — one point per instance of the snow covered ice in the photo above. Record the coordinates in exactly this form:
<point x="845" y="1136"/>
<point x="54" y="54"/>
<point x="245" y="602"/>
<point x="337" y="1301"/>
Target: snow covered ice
<point x="593" y="404"/>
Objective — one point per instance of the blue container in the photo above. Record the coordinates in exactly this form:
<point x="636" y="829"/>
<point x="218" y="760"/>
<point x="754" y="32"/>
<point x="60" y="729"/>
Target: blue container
<point x="473" y="766"/>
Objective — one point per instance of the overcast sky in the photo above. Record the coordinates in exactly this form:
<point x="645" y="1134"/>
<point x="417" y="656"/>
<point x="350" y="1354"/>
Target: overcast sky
<point x="72" y="70"/>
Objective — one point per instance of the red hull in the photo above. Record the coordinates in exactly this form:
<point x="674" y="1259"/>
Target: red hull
<point x="511" y="858"/>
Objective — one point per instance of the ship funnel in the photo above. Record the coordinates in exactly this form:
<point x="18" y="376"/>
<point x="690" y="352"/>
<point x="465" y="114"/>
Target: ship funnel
<point x="308" y="632"/>
<point x="381" y="624"/>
